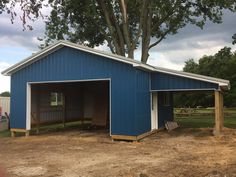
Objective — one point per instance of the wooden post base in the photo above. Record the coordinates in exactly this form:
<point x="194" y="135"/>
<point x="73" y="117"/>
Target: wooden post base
<point x="18" y="130"/>
<point x="217" y="133"/>
<point x="135" y="138"/>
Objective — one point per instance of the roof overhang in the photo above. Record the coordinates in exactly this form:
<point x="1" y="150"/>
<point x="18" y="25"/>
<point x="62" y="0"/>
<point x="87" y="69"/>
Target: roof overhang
<point x="223" y="84"/>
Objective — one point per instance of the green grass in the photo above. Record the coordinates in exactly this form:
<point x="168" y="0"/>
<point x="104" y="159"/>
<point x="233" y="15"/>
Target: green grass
<point x="204" y="117"/>
<point x="5" y="133"/>
<point x="205" y="110"/>
<point x="59" y="127"/>
<point x="204" y="121"/>
<point x="53" y="128"/>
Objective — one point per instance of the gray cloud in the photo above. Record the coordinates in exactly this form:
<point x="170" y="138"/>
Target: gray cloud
<point x="189" y="42"/>
<point x="190" y="35"/>
<point x="193" y="42"/>
<point x="13" y="34"/>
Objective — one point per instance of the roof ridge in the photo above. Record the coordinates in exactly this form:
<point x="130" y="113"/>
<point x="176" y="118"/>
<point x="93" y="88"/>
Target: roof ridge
<point x="101" y="51"/>
<point x="135" y="63"/>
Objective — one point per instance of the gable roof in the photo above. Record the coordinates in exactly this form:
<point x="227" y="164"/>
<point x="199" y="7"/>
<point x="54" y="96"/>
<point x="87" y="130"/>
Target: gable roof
<point x="224" y="84"/>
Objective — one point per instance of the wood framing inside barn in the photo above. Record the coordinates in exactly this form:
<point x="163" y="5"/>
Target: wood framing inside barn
<point x="63" y="102"/>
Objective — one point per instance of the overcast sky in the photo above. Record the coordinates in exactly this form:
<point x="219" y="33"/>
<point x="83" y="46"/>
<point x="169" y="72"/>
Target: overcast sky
<point x="190" y="42"/>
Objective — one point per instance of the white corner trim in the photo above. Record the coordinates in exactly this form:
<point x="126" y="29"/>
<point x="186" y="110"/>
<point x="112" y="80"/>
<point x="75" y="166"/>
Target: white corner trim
<point x="28" y="106"/>
<point x="28" y="97"/>
<point x="24" y="62"/>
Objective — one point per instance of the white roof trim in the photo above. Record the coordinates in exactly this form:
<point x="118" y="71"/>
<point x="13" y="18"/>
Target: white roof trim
<point x="221" y="82"/>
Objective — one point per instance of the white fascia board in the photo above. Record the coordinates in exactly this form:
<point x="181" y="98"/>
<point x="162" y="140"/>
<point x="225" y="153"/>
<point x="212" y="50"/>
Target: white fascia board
<point x="220" y="82"/>
<point x="119" y="58"/>
<point x="30" y="59"/>
<point x="60" y="44"/>
<point x="143" y="66"/>
<point x="96" y="52"/>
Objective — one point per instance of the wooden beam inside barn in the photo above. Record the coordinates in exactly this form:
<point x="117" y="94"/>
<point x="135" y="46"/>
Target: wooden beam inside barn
<point x="37" y="109"/>
<point x="64" y="106"/>
<point x="219" y="115"/>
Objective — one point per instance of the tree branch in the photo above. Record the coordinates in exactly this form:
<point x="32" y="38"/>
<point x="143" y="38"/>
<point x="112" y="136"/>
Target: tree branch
<point x="110" y="27"/>
<point x="169" y="13"/>
<point x="109" y="43"/>
<point x="126" y="29"/>
<point x="138" y="35"/>
<point x="118" y="30"/>
<point x="160" y="39"/>
<point x="146" y="28"/>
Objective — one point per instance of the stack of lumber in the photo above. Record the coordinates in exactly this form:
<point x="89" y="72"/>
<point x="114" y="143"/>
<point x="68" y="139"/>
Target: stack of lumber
<point x="170" y="125"/>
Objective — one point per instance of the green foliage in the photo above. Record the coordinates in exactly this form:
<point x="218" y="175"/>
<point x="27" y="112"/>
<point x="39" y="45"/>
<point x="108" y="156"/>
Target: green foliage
<point x="204" y="122"/>
<point x="30" y="10"/>
<point x="190" y="66"/>
<point x="234" y="39"/>
<point x="3" y="5"/>
<point x="193" y="99"/>
<point x="203" y="118"/>
<point x="96" y="22"/>
<point x="123" y="25"/>
<point x="5" y="94"/>
<point x="221" y="65"/>
<point x="5" y="133"/>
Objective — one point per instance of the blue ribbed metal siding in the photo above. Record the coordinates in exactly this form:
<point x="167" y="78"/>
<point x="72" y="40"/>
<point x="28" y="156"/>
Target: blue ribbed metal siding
<point x="18" y="101"/>
<point x="142" y="102"/>
<point x="71" y="64"/>
<point x="162" y="81"/>
<point x="165" y="113"/>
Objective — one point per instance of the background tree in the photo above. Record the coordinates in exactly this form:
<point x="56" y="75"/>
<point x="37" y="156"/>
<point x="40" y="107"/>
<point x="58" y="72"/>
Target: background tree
<point x="191" y="66"/>
<point x="234" y="38"/>
<point x="124" y="25"/>
<point x="5" y="94"/>
<point x="30" y="10"/>
<point x="221" y="65"/>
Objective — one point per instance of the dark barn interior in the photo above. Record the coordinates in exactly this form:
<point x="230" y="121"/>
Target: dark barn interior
<point x="87" y="102"/>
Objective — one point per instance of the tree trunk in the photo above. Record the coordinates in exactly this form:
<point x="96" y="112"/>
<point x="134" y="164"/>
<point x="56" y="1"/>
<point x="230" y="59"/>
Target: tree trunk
<point x="145" y="54"/>
<point x="116" y="40"/>
<point x="146" y="35"/>
<point x="131" y="53"/>
<point x="126" y="33"/>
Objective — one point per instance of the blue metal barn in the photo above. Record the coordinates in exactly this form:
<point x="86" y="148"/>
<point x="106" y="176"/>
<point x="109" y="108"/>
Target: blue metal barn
<point x="66" y="81"/>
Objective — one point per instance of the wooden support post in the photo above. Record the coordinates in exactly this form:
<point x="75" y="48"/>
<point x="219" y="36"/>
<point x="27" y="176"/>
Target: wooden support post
<point x="219" y="116"/>
<point x="12" y="134"/>
<point x="27" y="133"/>
<point x="135" y="138"/>
<point x="64" y="108"/>
<point x="63" y="117"/>
<point x="82" y="92"/>
<point x="38" y="92"/>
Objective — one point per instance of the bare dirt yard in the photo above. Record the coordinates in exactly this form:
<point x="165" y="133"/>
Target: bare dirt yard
<point x="183" y="152"/>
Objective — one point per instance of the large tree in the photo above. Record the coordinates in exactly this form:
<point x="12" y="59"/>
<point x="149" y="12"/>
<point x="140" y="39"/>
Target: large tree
<point x="124" y="25"/>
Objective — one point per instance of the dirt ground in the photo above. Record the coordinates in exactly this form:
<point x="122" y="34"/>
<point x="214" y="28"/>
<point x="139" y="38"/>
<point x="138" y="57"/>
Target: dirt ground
<point x="183" y="152"/>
